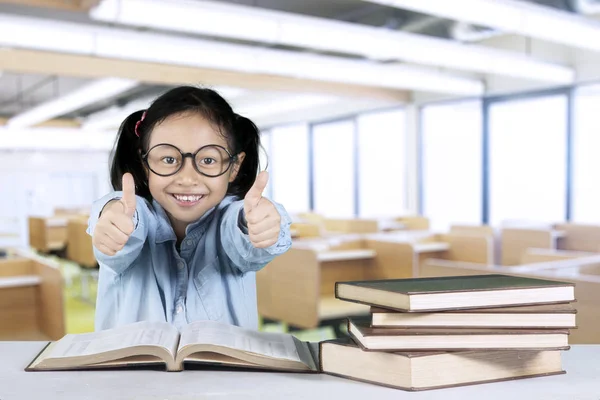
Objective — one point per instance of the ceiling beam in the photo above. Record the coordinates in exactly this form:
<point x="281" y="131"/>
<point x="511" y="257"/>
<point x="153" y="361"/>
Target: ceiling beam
<point x="92" y="40"/>
<point x="68" y="5"/>
<point x="512" y="16"/>
<point x="50" y="63"/>
<point x="53" y="123"/>
<point x="234" y="21"/>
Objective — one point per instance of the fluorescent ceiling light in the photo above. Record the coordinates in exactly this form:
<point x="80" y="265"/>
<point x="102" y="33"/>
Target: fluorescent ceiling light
<point x="55" y="139"/>
<point x="99" y="90"/>
<point x="112" y="117"/>
<point x="281" y="104"/>
<point x="274" y="27"/>
<point x="325" y="111"/>
<point x="165" y="49"/>
<point x="512" y="16"/>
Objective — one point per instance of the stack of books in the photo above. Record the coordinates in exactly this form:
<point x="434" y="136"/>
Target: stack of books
<point x="428" y="333"/>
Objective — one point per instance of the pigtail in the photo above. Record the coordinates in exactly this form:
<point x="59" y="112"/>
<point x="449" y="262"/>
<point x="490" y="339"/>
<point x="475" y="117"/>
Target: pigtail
<point x="249" y="138"/>
<point x="127" y="155"/>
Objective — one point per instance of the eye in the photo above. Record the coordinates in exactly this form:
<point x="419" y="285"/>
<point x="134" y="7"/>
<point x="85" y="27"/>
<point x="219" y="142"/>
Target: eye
<point x="169" y="160"/>
<point x="208" y="161"/>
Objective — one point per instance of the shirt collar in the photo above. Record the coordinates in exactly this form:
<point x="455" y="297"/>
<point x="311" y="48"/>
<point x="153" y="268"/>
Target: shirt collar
<point x="165" y="231"/>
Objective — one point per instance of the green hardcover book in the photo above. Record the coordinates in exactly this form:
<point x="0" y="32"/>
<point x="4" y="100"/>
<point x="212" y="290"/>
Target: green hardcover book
<point x="455" y="292"/>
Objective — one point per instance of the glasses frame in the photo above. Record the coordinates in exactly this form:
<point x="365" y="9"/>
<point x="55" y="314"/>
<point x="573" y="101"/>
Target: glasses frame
<point x="190" y="155"/>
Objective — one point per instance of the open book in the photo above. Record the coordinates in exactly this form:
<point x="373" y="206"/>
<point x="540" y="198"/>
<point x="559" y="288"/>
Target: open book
<point x="160" y="343"/>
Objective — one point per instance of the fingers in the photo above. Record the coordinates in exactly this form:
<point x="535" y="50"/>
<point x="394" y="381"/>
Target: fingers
<point x="263" y="222"/>
<point x="105" y="249"/>
<point x="123" y="223"/>
<point x="262" y="226"/>
<point x="265" y="238"/>
<point x="113" y="230"/>
<point x="109" y="238"/>
<point x="259" y="214"/>
<point x="115" y="236"/>
<point x="128" y="199"/>
<point x="254" y="195"/>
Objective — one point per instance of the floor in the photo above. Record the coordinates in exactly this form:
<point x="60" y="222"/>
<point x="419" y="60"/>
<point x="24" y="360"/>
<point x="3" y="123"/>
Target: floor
<point x="80" y="307"/>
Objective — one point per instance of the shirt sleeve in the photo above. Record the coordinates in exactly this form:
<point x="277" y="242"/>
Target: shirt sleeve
<point x="124" y="257"/>
<point x="236" y="242"/>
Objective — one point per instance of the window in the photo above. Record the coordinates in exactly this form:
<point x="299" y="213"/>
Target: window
<point x="333" y="169"/>
<point x="289" y="167"/>
<point x="452" y="163"/>
<point x="586" y="163"/>
<point x="382" y="164"/>
<point x="528" y="160"/>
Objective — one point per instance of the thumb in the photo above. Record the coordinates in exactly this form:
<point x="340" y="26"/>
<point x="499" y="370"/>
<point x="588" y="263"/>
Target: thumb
<point x="128" y="199"/>
<point x="255" y="193"/>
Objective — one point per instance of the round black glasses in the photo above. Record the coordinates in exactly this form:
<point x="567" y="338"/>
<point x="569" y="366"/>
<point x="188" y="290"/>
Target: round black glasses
<point x="166" y="160"/>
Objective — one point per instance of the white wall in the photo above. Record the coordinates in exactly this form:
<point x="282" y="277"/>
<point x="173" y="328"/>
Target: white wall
<point x="35" y="182"/>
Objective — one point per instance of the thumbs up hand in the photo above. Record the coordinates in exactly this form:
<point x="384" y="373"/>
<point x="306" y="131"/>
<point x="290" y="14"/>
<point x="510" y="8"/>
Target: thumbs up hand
<point x="115" y="225"/>
<point x="262" y="217"/>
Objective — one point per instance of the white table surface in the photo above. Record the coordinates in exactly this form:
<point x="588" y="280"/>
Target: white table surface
<point x="581" y="382"/>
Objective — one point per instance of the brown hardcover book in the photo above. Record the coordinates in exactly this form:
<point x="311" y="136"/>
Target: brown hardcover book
<point x="539" y="316"/>
<point x="434" y="370"/>
<point x="208" y="343"/>
<point x="455" y="292"/>
<point x="411" y="339"/>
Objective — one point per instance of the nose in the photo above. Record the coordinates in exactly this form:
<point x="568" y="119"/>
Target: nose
<point x="188" y="176"/>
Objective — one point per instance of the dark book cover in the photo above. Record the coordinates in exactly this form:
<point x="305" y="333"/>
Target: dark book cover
<point x="455" y="284"/>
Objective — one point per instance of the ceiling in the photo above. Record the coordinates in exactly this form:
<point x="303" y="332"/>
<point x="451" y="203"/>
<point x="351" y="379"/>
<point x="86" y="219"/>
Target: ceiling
<point x="20" y="92"/>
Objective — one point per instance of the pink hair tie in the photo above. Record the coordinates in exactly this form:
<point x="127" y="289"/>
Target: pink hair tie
<point x="137" y="124"/>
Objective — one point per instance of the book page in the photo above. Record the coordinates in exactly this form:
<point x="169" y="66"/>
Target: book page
<point x="272" y="345"/>
<point x="138" y="334"/>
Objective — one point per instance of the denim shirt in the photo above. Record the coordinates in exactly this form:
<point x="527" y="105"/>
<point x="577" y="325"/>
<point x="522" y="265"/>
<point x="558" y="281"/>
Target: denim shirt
<point x="212" y="276"/>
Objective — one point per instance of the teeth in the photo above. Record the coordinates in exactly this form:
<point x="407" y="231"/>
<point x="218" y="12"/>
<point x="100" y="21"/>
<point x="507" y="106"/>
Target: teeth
<point x="190" y="198"/>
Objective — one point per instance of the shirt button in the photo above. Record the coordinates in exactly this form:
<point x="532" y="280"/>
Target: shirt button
<point x="188" y="243"/>
<point x="179" y="309"/>
<point x="180" y="264"/>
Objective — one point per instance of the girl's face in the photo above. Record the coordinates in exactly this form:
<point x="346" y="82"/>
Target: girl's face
<point x="187" y="195"/>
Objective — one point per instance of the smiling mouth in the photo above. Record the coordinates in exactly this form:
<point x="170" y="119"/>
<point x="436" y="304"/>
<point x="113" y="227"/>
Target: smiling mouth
<point x="188" y="198"/>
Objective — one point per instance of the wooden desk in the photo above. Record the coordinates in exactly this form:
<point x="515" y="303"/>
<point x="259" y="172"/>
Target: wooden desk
<point x="479" y="230"/>
<point x="351" y="225"/>
<point x="47" y="234"/>
<point x="19" y="281"/>
<point x="580" y="382"/>
<point x="31" y="300"/>
<point x="303" y="229"/>
<point x="79" y="243"/>
<point x="532" y="256"/>
<point x="579" y="237"/>
<point x="344" y="255"/>
<point x="297" y="287"/>
<point x="431" y="247"/>
<point x="516" y="241"/>
<point x="583" y="272"/>
<point x="400" y="255"/>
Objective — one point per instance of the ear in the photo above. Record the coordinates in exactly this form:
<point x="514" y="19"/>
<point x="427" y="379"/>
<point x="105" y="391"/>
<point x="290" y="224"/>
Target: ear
<point x="236" y="166"/>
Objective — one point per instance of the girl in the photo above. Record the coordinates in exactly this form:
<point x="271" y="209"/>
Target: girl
<point x="182" y="239"/>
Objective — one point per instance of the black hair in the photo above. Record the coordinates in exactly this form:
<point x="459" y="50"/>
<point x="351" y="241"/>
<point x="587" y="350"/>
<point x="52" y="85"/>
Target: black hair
<point x="241" y="134"/>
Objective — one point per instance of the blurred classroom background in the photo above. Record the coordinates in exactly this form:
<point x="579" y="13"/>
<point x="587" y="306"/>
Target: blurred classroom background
<point x="406" y="137"/>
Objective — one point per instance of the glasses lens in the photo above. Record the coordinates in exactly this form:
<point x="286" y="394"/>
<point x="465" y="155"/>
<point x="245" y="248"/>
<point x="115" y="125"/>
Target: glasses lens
<point x="164" y="159"/>
<point x="212" y="160"/>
